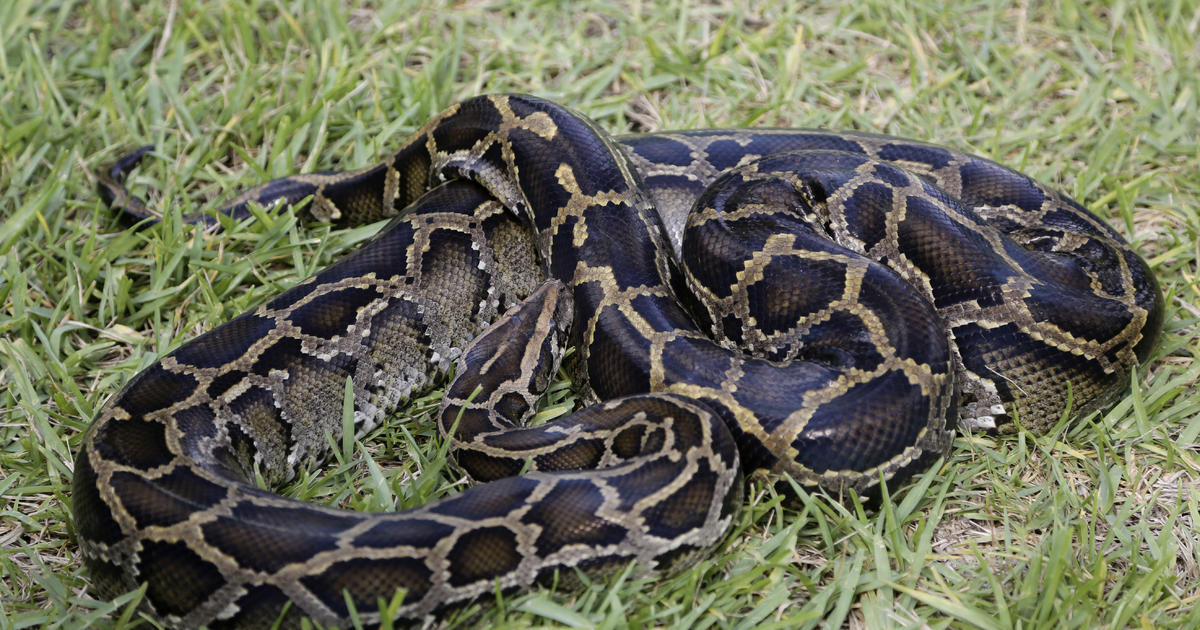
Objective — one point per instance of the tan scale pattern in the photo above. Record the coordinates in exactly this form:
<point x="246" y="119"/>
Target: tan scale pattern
<point x="652" y="473"/>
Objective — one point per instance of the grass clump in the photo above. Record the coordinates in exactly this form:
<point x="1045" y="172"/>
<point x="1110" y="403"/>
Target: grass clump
<point x="1091" y="525"/>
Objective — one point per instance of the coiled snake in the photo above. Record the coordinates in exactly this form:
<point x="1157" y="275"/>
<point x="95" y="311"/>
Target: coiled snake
<point x="863" y="291"/>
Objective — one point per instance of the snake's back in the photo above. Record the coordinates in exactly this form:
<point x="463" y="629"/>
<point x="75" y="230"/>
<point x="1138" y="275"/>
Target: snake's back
<point x="830" y="308"/>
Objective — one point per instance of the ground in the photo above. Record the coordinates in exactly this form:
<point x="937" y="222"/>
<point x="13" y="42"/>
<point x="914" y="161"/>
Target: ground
<point x="1091" y="525"/>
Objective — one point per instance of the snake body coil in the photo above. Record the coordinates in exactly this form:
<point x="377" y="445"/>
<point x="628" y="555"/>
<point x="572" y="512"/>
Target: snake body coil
<point x="864" y="292"/>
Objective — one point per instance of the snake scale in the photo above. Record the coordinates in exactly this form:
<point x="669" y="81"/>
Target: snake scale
<point x="830" y="307"/>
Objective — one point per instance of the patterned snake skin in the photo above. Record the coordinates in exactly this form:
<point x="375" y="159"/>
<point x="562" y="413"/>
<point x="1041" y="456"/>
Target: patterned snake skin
<point x="865" y="293"/>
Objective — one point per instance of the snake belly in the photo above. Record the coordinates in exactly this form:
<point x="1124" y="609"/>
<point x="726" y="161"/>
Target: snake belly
<point x="832" y="305"/>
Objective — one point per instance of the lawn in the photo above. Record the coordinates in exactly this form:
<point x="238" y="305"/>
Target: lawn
<point x="1094" y="524"/>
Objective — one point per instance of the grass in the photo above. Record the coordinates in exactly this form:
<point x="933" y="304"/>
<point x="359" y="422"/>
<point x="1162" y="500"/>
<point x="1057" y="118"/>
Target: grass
<point x="1091" y="525"/>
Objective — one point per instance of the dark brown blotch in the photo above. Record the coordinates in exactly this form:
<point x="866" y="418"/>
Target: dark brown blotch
<point x="644" y="480"/>
<point x="286" y="353"/>
<point x="137" y="443"/>
<point x="368" y="580"/>
<point x="660" y="150"/>
<point x="93" y="517"/>
<point x="223" y="383"/>
<point x="495" y="499"/>
<point x="687" y="508"/>
<point x="483" y="554"/>
<point x="582" y="454"/>
<point x="165" y="500"/>
<point x="936" y="157"/>
<point x="484" y="467"/>
<point x="268" y="538"/>
<point x="331" y="314"/>
<point x="195" y="425"/>
<point x="415" y="532"/>
<point x="866" y="426"/>
<point x="225" y="342"/>
<point x="567" y="516"/>
<point x="177" y="579"/>
<point x="156" y="388"/>
<point x="628" y="441"/>
<point x="618" y="360"/>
